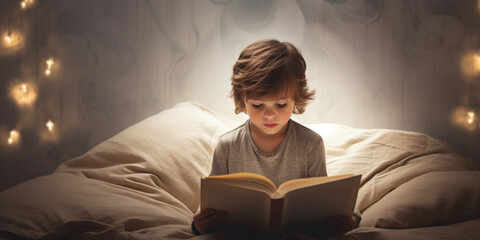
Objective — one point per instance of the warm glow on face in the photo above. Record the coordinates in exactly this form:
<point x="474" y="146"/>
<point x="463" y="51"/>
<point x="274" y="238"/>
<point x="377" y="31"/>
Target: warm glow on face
<point x="13" y="137"/>
<point x="50" y="125"/>
<point x="269" y="115"/>
<point x="24" y="94"/>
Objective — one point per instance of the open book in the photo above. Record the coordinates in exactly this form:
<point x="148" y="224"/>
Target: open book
<point x="253" y="200"/>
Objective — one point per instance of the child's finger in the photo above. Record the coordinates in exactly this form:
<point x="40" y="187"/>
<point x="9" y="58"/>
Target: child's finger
<point x="212" y="218"/>
<point x="205" y="213"/>
<point x="206" y="223"/>
<point x="208" y="214"/>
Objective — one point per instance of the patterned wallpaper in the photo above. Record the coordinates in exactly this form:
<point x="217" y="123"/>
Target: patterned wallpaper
<point x="410" y="65"/>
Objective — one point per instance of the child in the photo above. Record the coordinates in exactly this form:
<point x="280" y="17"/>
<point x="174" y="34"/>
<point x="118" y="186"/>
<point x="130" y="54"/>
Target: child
<point x="269" y="84"/>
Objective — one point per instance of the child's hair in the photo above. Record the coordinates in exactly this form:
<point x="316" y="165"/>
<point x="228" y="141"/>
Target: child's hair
<point x="268" y="67"/>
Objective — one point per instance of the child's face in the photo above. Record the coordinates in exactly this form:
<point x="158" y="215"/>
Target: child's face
<point x="270" y="114"/>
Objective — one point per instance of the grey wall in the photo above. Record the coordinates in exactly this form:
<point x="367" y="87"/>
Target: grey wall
<point x="408" y="65"/>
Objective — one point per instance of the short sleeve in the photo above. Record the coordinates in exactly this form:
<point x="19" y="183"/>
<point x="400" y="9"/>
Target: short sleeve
<point x="220" y="159"/>
<point x="316" y="160"/>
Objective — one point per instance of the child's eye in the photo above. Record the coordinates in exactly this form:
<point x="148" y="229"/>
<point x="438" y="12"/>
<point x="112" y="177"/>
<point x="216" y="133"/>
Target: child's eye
<point x="257" y="105"/>
<point x="281" y="105"/>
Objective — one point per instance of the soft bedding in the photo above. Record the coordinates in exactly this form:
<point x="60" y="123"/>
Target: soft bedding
<point x="144" y="183"/>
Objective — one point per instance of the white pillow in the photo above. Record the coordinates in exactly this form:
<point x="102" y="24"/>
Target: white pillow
<point x="146" y="179"/>
<point x="436" y="198"/>
<point x="170" y="150"/>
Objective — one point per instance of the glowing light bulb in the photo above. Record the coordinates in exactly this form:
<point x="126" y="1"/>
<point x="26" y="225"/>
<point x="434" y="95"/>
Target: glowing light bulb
<point x="471" y="117"/>
<point x="50" y="125"/>
<point x="12" y="39"/>
<point x="8" y="39"/>
<point x="13" y="137"/>
<point x="50" y="62"/>
<point x="26" y="3"/>
<point x="478" y="62"/>
<point x="465" y="117"/>
<point x="24" y="94"/>
<point x="24" y="88"/>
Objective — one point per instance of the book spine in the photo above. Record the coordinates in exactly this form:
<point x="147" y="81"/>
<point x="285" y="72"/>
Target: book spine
<point x="276" y="209"/>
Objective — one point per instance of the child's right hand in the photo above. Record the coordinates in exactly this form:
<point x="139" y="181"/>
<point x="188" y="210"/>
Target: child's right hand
<point x="207" y="219"/>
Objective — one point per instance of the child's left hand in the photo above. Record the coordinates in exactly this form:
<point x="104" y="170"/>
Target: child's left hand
<point x="341" y="224"/>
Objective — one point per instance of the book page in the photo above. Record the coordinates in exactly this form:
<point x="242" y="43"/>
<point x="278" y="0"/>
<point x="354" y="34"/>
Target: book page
<point x="243" y="206"/>
<point x="247" y="180"/>
<point x="315" y="203"/>
<point x="305" y="182"/>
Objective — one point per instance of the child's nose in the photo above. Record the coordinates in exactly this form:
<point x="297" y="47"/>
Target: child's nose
<point x="269" y="113"/>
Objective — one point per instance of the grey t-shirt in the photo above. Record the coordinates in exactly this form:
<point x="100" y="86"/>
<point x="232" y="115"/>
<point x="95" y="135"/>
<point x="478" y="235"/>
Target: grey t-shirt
<point x="301" y="154"/>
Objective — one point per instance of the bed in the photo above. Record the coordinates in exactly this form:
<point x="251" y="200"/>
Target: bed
<point x="144" y="183"/>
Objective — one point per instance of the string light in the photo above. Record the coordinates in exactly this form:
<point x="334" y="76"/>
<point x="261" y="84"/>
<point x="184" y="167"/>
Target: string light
<point x="12" y="39"/>
<point x="465" y="118"/>
<point x="26" y="3"/>
<point x="471" y="118"/>
<point x="24" y="94"/>
<point x="24" y="88"/>
<point x="477" y="65"/>
<point x="13" y="137"/>
<point x="8" y="38"/>
<point x="50" y="63"/>
<point x="50" y="125"/>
